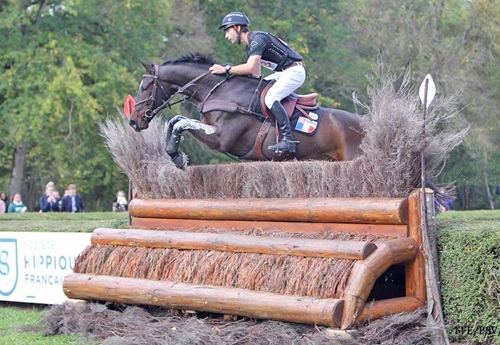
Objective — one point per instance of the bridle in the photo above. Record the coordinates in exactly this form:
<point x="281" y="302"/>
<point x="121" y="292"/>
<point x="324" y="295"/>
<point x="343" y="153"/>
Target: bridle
<point x="151" y="112"/>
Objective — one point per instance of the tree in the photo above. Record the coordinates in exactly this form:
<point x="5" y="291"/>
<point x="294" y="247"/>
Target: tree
<point x="66" y="65"/>
<point x="480" y="72"/>
<point x="456" y="41"/>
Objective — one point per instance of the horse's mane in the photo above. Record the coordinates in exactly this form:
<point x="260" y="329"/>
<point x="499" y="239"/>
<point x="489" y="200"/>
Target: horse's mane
<point x="197" y="58"/>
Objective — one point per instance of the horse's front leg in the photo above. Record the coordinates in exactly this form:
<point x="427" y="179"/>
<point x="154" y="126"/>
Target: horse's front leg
<point x="176" y="126"/>
<point x="171" y="123"/>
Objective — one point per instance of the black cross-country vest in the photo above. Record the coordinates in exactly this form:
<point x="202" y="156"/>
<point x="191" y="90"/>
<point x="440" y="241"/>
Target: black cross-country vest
<point x="276" y="54"/>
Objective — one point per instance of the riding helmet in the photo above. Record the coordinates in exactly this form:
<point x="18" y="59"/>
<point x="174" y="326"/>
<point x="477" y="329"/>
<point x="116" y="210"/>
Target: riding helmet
<point x="234" y="18"/>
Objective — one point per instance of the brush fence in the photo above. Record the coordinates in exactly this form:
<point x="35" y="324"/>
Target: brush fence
<point x="396" y="220"/>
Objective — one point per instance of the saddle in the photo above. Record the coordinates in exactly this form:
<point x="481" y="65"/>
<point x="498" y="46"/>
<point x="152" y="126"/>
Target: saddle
<point x="303" y="103"/>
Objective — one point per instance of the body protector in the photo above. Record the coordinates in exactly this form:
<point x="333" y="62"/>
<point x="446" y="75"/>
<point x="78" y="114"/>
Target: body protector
<point x="276" y="54"/>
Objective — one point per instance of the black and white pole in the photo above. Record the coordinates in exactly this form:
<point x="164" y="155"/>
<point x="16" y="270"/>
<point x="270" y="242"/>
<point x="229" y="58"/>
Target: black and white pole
<point x="434" y="307"/>
<point x="427" y="92"/>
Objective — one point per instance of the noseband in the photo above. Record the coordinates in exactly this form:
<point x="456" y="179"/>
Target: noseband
<point x="151" y="112"/>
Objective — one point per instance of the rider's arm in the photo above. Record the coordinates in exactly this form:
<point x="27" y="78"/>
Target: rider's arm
<point x="251" y="67"/>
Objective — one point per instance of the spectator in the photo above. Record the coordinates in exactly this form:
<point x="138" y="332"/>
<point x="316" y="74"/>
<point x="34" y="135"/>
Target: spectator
<point x="2" y="207"/>
<point x="442" y="200"/>
<point x="17" y="206"/>
<point x="121" y="203"/>
<point x="48" y="203"/>
<point x="5" y="199"/>
<point x="72" y="202"/>
<point x="56" y="195"/>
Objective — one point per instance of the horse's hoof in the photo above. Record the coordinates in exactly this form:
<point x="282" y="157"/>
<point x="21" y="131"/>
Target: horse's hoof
<point x="181" y="161"/>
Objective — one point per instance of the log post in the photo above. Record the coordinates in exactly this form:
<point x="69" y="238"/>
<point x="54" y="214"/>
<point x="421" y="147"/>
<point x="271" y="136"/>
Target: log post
<point x="415" y="270"/>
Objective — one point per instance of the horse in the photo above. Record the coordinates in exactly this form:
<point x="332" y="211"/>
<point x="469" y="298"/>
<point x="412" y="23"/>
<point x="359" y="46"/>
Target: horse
<point x="228" y="122"/>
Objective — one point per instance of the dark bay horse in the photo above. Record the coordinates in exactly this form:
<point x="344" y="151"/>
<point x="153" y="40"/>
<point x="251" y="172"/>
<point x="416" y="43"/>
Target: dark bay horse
<point x="226" y="125"/>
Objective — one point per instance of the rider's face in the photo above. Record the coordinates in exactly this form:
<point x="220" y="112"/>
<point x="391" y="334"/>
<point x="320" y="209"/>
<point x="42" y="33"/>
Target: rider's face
<point x="231" y="34"/>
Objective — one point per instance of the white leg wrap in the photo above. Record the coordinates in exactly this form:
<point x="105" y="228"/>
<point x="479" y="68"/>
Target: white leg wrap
<point x="190" y="124"/>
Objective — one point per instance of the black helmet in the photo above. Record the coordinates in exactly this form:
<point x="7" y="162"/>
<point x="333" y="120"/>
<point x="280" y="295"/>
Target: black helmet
<point x="234" y="18"/>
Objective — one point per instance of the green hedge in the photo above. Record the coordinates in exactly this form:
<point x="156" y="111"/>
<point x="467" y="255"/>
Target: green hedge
<point x="62" y="221"/>
<point x="469" y="247"/>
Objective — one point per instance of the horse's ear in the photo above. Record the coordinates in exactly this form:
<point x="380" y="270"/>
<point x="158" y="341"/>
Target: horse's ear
<point x="148" y="66"/>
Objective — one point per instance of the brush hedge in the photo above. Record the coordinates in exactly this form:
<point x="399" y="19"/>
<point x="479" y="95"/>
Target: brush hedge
<point x="469" y="247"/>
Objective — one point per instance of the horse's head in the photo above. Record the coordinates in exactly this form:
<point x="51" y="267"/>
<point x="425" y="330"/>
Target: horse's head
<point x="155" y="94"/>
<point x="150" y="99"/>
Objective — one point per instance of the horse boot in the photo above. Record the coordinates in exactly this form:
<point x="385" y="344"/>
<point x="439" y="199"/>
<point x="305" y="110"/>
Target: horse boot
<point x="287" y="142"/>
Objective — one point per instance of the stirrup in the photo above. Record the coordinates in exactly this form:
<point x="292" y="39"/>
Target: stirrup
<point x="284" y="146"/>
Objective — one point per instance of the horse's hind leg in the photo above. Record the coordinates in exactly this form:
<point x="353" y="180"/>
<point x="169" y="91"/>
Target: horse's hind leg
<point x="176" y="126"/>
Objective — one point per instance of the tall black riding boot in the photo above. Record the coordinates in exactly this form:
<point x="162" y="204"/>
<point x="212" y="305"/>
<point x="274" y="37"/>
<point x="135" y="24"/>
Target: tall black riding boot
<point x="287" y="142"/>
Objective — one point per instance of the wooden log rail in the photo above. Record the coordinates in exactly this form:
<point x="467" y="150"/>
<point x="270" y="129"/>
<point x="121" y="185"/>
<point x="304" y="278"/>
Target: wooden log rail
<point x="214" y="299"/>
<point x="365" y="273"/>
<point x="311" y="210"/>
<point x="398" y="217"/>
<point x="388" y="230"/>
<point x="352" y="250"/>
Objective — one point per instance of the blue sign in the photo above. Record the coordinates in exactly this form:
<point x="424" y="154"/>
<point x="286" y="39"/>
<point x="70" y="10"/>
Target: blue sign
<point x="9" y="271"/>
<point x="33" y="264"/>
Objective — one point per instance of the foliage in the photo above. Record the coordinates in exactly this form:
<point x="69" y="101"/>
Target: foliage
<point x="469" y="248"/>
<point x="465" y="171"/>
<point x="65" y="66"/>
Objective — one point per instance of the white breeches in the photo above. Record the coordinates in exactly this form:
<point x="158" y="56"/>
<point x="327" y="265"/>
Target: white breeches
<point x="287" y="82"/>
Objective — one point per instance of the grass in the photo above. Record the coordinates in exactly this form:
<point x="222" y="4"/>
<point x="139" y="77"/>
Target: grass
<point x="62" y="222"/>
<point x="18" y="326"/>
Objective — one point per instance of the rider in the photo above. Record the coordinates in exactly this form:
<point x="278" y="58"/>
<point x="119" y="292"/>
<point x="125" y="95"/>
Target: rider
<point x="265" y="49"/>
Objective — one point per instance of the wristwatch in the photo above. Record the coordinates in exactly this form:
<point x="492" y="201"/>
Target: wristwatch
<point x="228" y="67"/>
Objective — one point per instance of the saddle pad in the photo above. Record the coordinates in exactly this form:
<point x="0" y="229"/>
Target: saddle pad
<point x="303" y="125"/>
<point x="308" y="127"/>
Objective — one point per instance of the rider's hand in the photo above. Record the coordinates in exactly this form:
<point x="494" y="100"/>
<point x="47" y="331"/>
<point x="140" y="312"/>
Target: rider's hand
<point x="217" y="69"/>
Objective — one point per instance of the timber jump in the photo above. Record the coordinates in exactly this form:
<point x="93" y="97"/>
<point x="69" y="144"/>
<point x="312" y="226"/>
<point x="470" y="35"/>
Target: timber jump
<point x="312" y="260"/>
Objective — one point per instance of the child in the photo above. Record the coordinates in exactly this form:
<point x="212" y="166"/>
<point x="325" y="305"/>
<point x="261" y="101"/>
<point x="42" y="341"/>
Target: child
<point x="121" y="203"/>
<point x="17" y="206"/>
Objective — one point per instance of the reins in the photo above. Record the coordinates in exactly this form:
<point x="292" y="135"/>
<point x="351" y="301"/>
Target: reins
<point x="202" y="104"/>
<point x="150" y="113"/>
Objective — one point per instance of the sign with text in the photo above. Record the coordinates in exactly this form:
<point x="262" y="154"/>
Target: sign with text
<point x="34" y="264"/>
